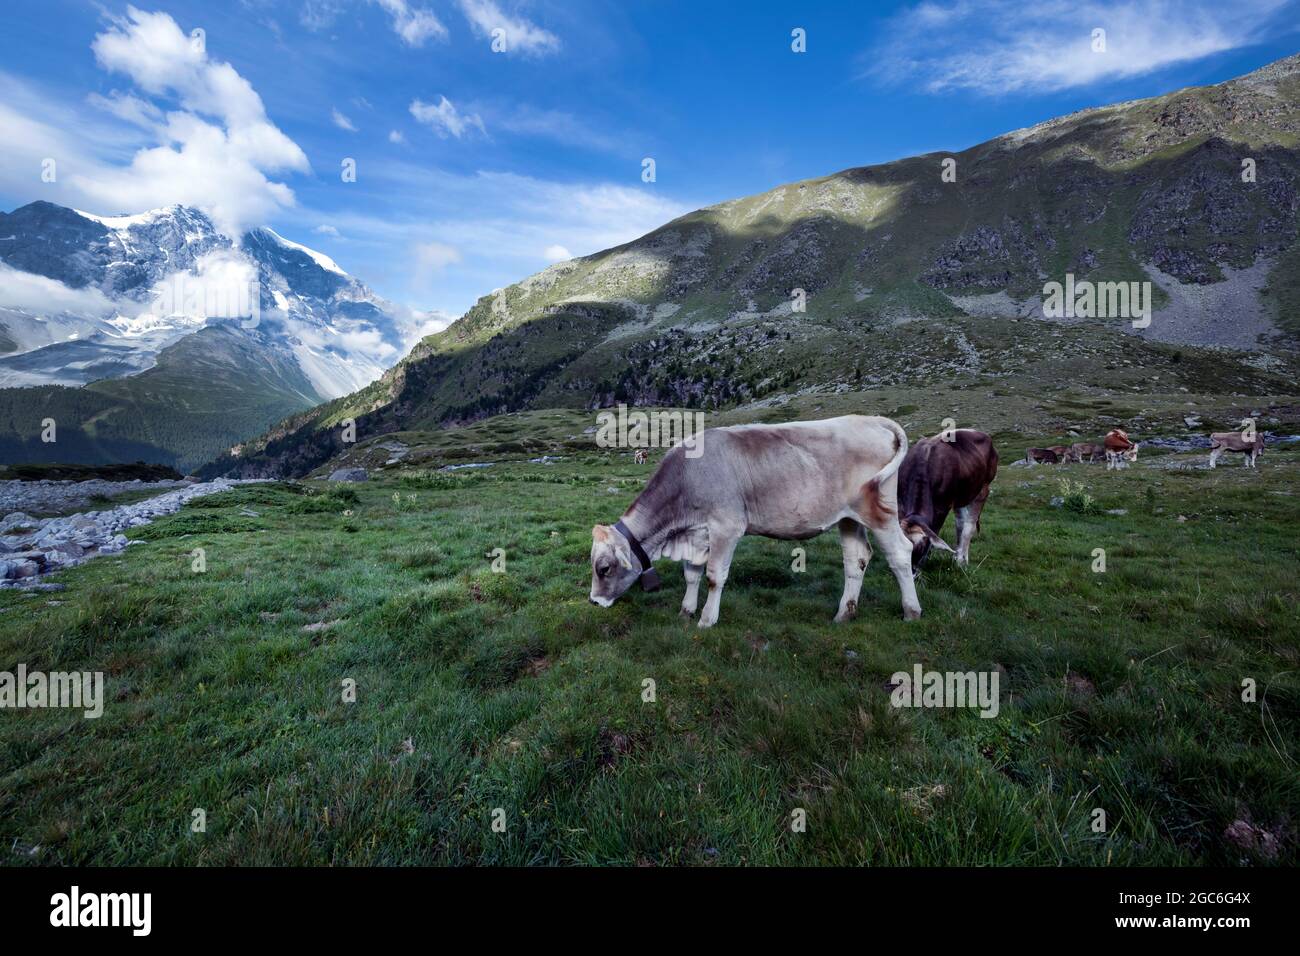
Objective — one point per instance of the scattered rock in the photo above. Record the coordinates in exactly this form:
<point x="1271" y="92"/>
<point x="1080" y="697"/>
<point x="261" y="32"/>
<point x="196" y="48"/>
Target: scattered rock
<point x="35" y="546"/>
<point x="350" y="474"/>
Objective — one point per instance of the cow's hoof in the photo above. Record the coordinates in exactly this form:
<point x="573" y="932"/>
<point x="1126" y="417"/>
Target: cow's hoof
<point x="911" y="614"/>
<point x="686" y="611"/>
<point x="849" y="612"/>
<point x="706" y="623"/>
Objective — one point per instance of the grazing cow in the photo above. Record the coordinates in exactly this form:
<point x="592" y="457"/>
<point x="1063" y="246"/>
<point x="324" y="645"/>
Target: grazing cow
<point x="1086" y="451"/>
<point x="1232" y="441"/>
<point x="1045" y="456"/>
<point x="1120" y="450"/>
<point x="1062" y="452"/>
<point x="639" y="456"/>
<point x="790" y="481"/>
<point x="939" y="476"/>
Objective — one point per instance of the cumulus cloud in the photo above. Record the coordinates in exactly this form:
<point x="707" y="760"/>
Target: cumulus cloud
<point x="325" y="229"/>
<point x="520" y="35"/>
<point x="396" y="137"/>
<point x="444" y="119"/>
<point x="1002" y="46"/>
<point x="556" y="253"/>
<point x="214" y="153"/>
<point x="414" y="25"/>
<point x="342" y="122"/>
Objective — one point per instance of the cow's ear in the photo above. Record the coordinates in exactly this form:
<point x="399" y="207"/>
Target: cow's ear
<point x="915" y="525"/>
<point x="600" y="533"/>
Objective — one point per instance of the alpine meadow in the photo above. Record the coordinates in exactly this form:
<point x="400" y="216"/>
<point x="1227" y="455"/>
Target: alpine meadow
<point x="492" y="433"/>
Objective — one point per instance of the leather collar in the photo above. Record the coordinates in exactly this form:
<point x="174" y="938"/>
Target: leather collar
<point x="649" y="577"/>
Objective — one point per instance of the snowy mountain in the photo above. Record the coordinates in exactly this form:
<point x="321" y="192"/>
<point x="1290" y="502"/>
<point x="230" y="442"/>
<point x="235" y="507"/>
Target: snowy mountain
<point x="156" y="335"/>
<point x="85" y="297"/>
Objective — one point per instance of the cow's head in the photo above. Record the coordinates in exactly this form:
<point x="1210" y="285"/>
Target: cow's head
<point x="613" y="566"/>
<point x="1131" y="454"/>
<point x="923" y="537"/>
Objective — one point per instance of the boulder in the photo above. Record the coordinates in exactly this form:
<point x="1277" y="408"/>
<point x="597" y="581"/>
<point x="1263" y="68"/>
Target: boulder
<point x="349" y="474"/>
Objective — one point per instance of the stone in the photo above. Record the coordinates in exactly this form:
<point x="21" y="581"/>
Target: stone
<point x="349" y="474"/>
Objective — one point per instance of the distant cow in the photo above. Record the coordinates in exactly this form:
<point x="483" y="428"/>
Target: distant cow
<point x="1041" y="456"/>
<point x="639" y="456"/>
<point x="1062" y="452"/>
<point x="1086" y="451"/>
<point x="1232" y="441"/>
<point x="1120" y="449"/>
<point x="939" y="476"/>
<point x="790" y="481"/>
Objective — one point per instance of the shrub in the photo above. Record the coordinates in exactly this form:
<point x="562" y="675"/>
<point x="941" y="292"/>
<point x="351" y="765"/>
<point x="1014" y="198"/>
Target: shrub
<point x="1074" y="497"/>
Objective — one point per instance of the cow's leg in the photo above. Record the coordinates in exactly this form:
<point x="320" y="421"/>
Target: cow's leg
<point x="1214" y="456"/>
<point x="722" y="545"/>
<point x="968" y="522"/>
<point x="897" y="550"/>
<point x="693" y="573"/>
<point x="857" y="552"/>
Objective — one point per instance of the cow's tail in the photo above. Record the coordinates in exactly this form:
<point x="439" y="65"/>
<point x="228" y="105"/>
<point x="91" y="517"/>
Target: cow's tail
<point x="900" y="439"/>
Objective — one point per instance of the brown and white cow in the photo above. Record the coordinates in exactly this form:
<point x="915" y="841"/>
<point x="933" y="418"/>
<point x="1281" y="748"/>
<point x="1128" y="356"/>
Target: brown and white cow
<point x="1232" y="441"/>
<point x="1086" y="451"/>
<point x="1041" y="456"/>
<point x="1120" y="449"/>
<point x="939" y="476"/>
<point x="789" y="481"/>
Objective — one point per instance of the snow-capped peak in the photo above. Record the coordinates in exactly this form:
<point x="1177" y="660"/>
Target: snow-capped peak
<point x="322" y="260"/>
<point x="126" y="222"/>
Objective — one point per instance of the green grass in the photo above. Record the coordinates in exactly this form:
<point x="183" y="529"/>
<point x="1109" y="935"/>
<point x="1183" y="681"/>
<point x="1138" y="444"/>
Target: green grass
<point x="478" y="691"/>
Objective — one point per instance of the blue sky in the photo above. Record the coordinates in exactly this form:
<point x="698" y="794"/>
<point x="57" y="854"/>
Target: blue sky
<point x="475" y="168"/>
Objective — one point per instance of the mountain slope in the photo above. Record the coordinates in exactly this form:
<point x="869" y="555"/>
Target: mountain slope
<point x="160" y="313"/>
<point x="207" y="391"/>
<point x="908" y="278"/>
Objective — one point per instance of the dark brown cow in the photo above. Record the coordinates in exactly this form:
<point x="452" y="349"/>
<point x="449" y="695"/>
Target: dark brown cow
<point x="939" y="476"/>
<point x="1043" y="456"/>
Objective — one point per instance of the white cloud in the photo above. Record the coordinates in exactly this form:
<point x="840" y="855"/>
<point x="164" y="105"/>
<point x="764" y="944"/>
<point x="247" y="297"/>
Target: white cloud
<point x="445" y="119"/>
<point x="342" y="122"/>
<point x="413" y="24"/>
<point x="432" y="257"/>
<point x="558" y="125"/>
<point x="128" y="107"/>
<point x="43" y="296"/>
<point x="417" y="324"/>
<point x="395" y="137"/>
<point x="1003" y="46"/>
<point x="220" y="166"/>
<point x="520" y="35"/>
<point x="556" y="253"/>
<point x="326" y="230"/>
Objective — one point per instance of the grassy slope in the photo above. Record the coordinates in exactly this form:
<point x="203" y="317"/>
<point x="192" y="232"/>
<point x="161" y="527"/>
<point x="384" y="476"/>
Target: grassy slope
<point x="1120" y="689"/>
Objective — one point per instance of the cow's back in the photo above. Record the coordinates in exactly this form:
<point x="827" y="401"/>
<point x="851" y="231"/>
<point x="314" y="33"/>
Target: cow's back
<point x="786" y="476"/>
<point x="952" y="474"/>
